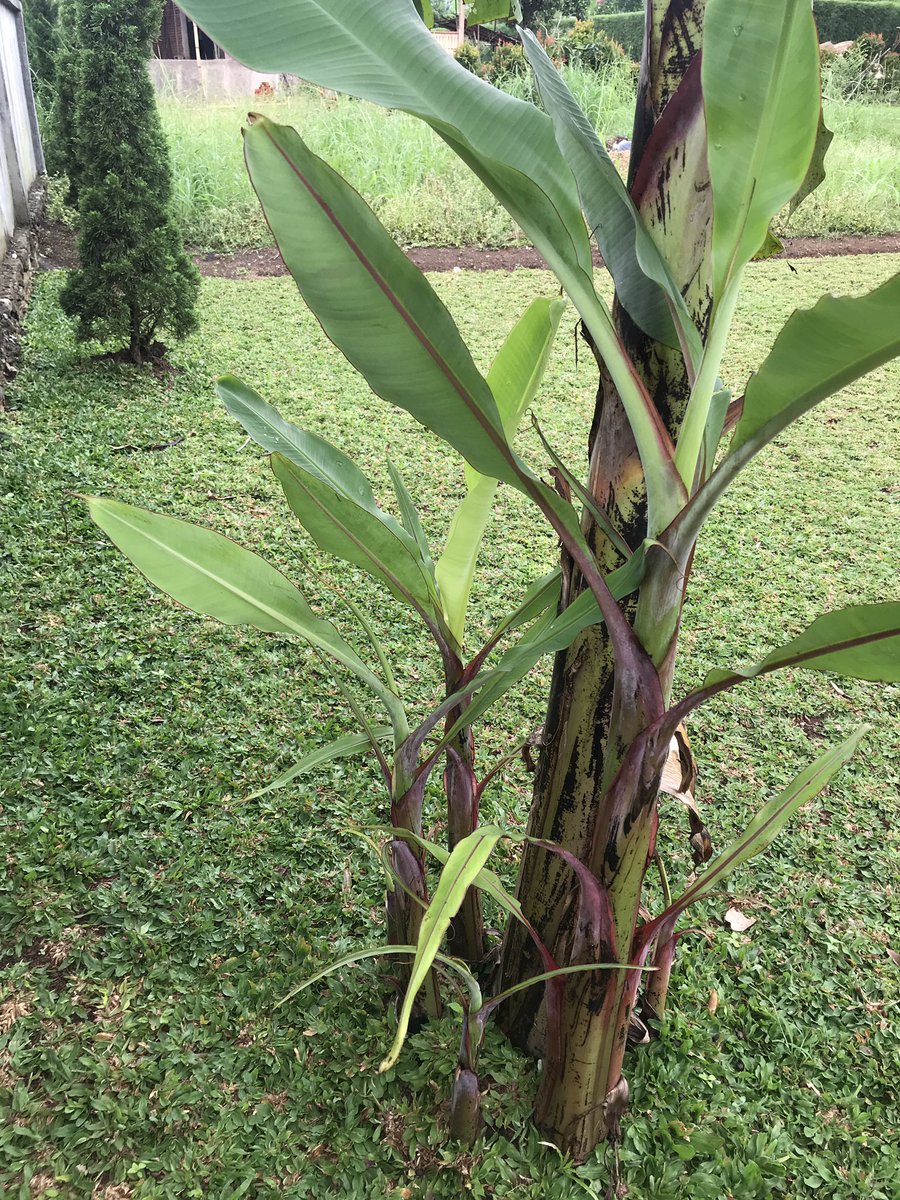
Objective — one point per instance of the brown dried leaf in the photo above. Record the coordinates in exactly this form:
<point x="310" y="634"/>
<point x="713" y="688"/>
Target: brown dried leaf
<point x="894" y="957"/>
<point x="738" y="921"/>
<point x="713" y="1003"/>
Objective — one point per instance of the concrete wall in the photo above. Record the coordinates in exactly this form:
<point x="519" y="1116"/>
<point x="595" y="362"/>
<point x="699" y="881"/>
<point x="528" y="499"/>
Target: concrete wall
<point x="211" y="79"/>
<point x="21" y="160"/>
<point x="21" y="190"/>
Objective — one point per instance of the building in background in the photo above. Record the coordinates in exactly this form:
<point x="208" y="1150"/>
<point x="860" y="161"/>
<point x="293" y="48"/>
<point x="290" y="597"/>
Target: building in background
<point x="187" y="62"/>
<point x="180" y="37"/>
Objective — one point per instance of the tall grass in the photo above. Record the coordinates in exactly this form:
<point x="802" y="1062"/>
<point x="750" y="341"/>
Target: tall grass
<point x="861" y="192"/>
<point x="418" y="187"/>
<point x="425" y="196"/>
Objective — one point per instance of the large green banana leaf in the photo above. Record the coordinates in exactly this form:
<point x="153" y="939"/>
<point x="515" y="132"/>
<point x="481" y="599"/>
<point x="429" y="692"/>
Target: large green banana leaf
<point x="819" y="351"/>
<point x="761" y="93"/>
<point x="376" y="306"/>
<point x="862" y="641"/>
<point x="214" y="576"/>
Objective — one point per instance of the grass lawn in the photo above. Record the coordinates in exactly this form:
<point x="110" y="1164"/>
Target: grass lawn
<point x="424" y="194"/>
<point x="151" y="918"/>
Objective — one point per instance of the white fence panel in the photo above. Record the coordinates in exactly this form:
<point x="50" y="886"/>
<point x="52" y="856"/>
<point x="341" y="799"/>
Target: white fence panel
<point x="21" y="160"/>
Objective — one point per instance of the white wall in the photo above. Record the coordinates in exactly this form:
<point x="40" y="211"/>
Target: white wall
<point x="21" y="160"/>
<point x="209" y="79"/>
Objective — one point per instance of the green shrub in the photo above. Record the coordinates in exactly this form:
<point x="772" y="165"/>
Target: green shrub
<point x="40" y="30"/>
<point x="507" y="60"/>
<point x="842" y="21"/>
<point x="891" y="82"/>
<point x="865" y="72"/>
<point x="467" y="56"/>
<point x="135" y="278"/>
<point x="589" y="47"/>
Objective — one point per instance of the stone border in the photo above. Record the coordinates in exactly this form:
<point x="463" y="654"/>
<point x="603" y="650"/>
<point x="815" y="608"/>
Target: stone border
<point x="17" y="274"/>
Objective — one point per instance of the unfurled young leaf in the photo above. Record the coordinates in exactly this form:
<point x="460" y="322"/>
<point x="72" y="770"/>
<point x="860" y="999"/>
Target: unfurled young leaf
<point x="460" y="872"/>
<point x="514" y="380"/>
<point x="409" y="514"/>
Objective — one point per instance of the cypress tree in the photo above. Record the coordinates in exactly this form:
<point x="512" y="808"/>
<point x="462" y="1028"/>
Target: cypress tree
<point x="60" y="141"/>
<point x="135" y="279"/>
<point x="40" y="30"/>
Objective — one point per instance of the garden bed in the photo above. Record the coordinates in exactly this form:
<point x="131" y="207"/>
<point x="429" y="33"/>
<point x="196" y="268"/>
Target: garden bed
<point x="59" y="249"/>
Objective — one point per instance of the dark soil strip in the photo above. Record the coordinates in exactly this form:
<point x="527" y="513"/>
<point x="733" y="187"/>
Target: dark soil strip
<point x="58" y="249"/>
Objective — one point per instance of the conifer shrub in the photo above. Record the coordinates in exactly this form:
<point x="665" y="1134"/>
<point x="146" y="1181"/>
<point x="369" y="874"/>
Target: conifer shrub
<point x="40" y="32"/>
<point x="467" y="56"/>
<point x="60" y="140"/>
<point x="135" y="280"/>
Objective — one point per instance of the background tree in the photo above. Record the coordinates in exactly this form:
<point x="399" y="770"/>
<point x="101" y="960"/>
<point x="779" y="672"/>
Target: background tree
<point x="135" y="279"/>
<point x="536" y="13"/>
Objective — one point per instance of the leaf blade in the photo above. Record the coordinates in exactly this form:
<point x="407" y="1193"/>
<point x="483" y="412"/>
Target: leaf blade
<point x="212" y="575"/>
<point x="343" y="747"/>
<point x="514" y="379"/>
<point x="263" y="422"/>
<point x="385" y="317"/>
<point x="356" y="535"/>
<point x="764" y="827"/>
<point x="862" y="641"/>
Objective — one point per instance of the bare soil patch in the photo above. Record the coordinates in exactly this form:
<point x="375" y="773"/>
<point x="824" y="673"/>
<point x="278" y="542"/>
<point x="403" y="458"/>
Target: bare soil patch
<point x="59" y="250"/>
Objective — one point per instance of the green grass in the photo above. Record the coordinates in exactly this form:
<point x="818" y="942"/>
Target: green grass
<point x="151" y="918"/>
<point x="425" y="196"/>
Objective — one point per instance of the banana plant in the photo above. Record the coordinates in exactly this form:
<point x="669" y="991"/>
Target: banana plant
<point x="727" y="126"/>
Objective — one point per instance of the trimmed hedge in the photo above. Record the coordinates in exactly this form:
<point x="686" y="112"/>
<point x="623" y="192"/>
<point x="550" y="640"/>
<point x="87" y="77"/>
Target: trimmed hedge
<point x="837" y="21"/>
<point x="842" y="21"/>
<point x="626" y="28"/>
